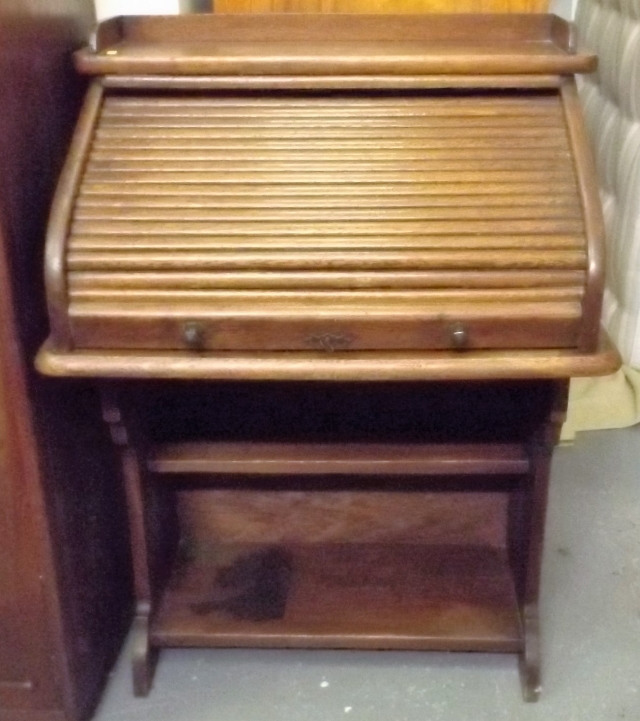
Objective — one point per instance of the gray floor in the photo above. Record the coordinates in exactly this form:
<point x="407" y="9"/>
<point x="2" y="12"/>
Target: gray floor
<point x="591" y="635"/>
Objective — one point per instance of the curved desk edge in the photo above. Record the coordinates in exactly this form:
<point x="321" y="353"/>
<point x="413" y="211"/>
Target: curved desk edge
<point x="345" y="366"/>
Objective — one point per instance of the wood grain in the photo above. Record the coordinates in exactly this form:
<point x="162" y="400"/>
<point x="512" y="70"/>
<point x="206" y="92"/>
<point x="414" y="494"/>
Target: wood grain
<point x="592" y="209"/>
<point x="435" y="366"/>
<point x="327" y="82"/>
<point x="334" y="44"/>
<point x="327" y="459"/>
<point x="402" y="597"/>
<point x="61" y="210"/>
<point x="300" y="27"/>
<point x="379" y="6"/>
<point x="476" y="194"/>
<point x="213" y="517"/>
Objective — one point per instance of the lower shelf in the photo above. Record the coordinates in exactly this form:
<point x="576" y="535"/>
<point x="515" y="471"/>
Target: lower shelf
<point x="444" y="459"/>
<point x="368" y="596"/>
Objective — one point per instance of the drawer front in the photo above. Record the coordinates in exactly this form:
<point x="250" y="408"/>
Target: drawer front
<point x="557" y="330"/>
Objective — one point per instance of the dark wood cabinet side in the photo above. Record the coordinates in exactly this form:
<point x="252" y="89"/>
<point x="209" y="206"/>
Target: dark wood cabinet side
<point x="64" y="566"/>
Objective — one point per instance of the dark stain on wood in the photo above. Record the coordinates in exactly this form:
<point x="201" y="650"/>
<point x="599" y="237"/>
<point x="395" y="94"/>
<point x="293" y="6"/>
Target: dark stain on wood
<point x="253" y="588"/>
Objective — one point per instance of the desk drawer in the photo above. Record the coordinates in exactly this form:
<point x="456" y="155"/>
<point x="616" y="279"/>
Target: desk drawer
<point x="499" y="325"/>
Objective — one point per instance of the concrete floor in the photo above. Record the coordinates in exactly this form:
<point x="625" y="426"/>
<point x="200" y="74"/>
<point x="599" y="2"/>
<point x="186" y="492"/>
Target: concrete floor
<point x="590" y="622"/>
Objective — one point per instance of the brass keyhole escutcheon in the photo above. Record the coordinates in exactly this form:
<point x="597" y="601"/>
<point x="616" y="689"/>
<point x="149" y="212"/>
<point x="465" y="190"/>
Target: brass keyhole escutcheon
<point x="329" y="342"/>
<point x="193" y="335"/>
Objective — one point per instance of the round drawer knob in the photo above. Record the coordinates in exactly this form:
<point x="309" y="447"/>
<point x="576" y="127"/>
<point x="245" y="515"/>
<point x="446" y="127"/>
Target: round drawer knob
<point x="193" y="335"/>
<point x="459" y="336"/>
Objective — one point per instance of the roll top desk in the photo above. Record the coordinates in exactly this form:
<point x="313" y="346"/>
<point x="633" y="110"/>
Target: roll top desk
<point x="332" y="253"/>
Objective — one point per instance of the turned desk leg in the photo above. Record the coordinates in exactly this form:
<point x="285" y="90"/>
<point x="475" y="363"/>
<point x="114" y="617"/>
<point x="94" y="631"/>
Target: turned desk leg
<point x="143" y="517"/>
<point x="527" y="513"/>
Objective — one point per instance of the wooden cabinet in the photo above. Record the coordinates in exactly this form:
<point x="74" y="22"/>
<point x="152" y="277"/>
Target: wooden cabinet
<point x="64" y="578"/>
<point x="361" y="256"/>
<point x="26" y="638"/>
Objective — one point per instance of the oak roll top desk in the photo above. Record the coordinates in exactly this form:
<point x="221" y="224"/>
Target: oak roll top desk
<point x="332" y="252"/>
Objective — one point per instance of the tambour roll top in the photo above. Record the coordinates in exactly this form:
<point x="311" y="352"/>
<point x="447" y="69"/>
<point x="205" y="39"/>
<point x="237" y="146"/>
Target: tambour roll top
<point x="311" y="184"/>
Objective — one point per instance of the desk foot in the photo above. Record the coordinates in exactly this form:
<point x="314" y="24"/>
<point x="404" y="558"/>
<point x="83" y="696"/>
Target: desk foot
<point x="529" y="659"/>
<point x="144" y="656"/>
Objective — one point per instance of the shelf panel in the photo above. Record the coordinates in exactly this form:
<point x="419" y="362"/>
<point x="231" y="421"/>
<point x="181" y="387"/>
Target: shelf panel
<point x="336" y="458"/>
<point x="368" y="596"/>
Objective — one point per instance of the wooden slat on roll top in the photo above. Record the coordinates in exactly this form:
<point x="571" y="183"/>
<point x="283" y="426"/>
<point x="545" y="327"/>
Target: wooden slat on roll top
<point x="343" y="206"/>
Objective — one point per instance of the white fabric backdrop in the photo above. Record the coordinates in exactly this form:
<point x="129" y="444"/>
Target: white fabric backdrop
<point x="110" y="8"/>
<point x="611" y="100"/>
<point x="564" y="8"/>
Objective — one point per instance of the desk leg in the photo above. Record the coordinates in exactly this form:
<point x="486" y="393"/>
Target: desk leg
<point x="142" y="538"/>
<point x="527" y="513"/>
